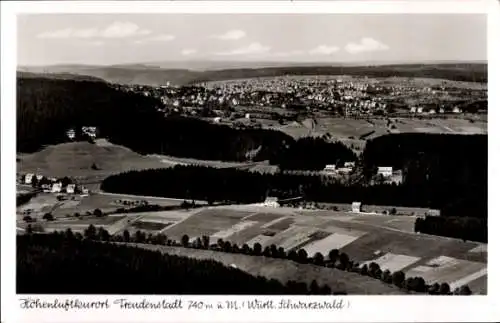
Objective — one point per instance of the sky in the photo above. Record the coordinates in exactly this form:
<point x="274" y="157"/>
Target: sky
<point x="107" y="39"/>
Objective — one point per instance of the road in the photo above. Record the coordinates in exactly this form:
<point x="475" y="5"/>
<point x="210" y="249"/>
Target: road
<point x="138" y="197"/>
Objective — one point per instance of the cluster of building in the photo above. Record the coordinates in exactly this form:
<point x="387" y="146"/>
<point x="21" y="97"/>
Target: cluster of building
<point x="52" y="184"/>
<point x="349" y="97"/>
<point x="86" y="131"/>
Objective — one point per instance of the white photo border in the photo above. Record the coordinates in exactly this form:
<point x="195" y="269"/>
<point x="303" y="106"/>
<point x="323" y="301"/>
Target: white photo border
<point x="361" y="308"/>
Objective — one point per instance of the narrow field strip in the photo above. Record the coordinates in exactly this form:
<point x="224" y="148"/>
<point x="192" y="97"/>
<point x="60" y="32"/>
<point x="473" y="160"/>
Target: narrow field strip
<point x="302" y="236"/>
<point x="234" y="229"/>
<point x="467" y="279"/>
<point x="269" y="224"/>
<point x="480" y="248"/>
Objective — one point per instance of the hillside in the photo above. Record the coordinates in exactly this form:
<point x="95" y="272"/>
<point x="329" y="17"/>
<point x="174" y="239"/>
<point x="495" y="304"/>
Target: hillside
<point x="151" y="75"/>
<point x="58" y="76"/>
<point x="75" y="159"/>
<point x="47" y="108"/>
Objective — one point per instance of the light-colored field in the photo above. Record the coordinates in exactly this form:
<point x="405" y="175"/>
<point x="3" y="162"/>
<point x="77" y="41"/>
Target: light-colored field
<point x="333" y="241"/>
<point x="205" y="222"/>
<point x="394" y="262"/>
<point x="480" y="248"/>
<point x="261" y="239"/>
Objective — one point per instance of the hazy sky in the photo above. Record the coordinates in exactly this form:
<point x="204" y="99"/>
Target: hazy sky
<point x="115" y="39"/>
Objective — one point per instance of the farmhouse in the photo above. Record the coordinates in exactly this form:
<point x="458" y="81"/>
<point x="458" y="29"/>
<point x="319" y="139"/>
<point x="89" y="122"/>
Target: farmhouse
<point x="57" y="187"/>
<point x="329" y="169"/>
<point x="28" y="179"/>
<point x="433" y="212"/>
<point x="356" y="207"/>
<point x="71" y="134"/>
<point x="84" y="190"/>
<point x="70" y="189"/>
<point x="349" y="164"/>
<point x="90" y="131"/>
<point x="384" y="171"/>
<point x="271" y="202"/>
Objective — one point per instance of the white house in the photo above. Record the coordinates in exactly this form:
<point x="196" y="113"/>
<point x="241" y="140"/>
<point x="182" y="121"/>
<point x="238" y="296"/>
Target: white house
<point x="349" y="164"/>
<point x="57" y="187"/>
<point x="28" y="179"/>
<point x="70" y="189"/>
<point x="413" y="109"/>
<point x="71" y="134"/>
<point x="356" y="207"/>
<point x="456" y="110"/>
<point x="39" y="177"/>
<point x="247" y="115"/>
<point x="217" y="119"/>
<point x="384" y="171"/>
<point x="420" y="110"/>
<point x="433" y="212"/>
<point x="329" y="169"/>
<point x="85" y="191"/>
<point x="271" y="202"/>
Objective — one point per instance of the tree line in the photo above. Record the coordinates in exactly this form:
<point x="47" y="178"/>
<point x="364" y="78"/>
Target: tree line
<point x="241" y="186"/>
<point x="465" y="228"/>
<point x="68" y="263"/>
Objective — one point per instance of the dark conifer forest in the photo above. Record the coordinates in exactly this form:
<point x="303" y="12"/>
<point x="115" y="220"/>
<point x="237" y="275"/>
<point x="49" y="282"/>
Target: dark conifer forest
<point x="65" y="263"/>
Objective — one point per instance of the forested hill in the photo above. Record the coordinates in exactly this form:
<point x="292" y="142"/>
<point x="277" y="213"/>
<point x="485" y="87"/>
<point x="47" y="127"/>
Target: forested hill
<point x="59" y="76"/>
<point x="47" y="108"/>
<point x="149" y="75"/>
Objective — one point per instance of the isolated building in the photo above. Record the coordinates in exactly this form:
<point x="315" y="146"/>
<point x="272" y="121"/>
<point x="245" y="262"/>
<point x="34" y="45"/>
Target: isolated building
<point x="57" y="187"/>
<point x="271" y="202"/>
<point x="457" y="110"/>
<point x="356" y="207"/>
<point x="70" y="189"/>
<point x="71" y="134"/>
<point x="349" y="164"/>
<point x="28" y="179"/>
<point x="247" y="115"/>
<point x="433" y="212"/>
<point x="217" y="119"/>
<point x="384" y="171"/>
<point x="329" y="169"/>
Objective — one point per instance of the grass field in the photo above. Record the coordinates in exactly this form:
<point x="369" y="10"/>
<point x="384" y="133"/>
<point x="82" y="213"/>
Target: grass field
<point x="285" y="270"/>
<point x="76" y="159"/>
<point x="354" y="132"/>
